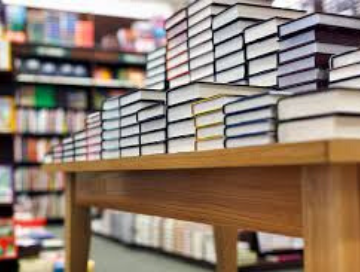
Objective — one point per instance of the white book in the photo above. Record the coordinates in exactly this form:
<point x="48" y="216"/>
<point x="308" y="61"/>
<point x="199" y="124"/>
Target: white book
<point x="80" y="151"/>
<point x="210" y="131"/>
<point x="180" y="81"/>
<point x="110" y="154"/>
<point x="345" y="72"/>
<point x="209" y="79"/>
<point x="266" y="79"/>
<point x="68" y="159"/>
<point x="94" y="131"/>
<point x="139" y="95"/>
<point x="153" y="149"/>
<point x="178" y="17"/>
<point x="161" y="86"/>
<point x="111" y="134"/>
<point x="253" y="12"/>
<point x="297" y="40"/>
<point x="129" y="141"/>
<point x="314" y="86"/>
<point x="210" y="118"/>
<point x="177" y="29"/>
<point x="202" y="72"/>
<point x="230" y="46"/>
<point x="159" y="70"/>
<point x="347" y="58"/>
<point x="201" y="38"/>
<point x="181" y="48"/>
<point x="321" y="128"/>
<point x="254" y="102"/>
<point x="261" y="48"/>
<point x="178" y="60"/>
<point x="314" y="19"/>
<point x="130" y="152"/>
<point x="130" y="130"/>
<point x="178" y="70"/>
<point x="232" y="60"/>
<point x="231" y="75"/>
<point x="200" y="27"/>
<point x="111" y="144"/>
<point x="303" y="77"/>
<point x="81" y="143"/>
<point x="261" y="126"/>
<point x="207" y="12"/>
<point x="128" y="120"/>
<point x="152" y="125"/>
<point x="198" y="90"/>
<point x="80" y="158"/>
<point x="111" y="103"/>
<point x="201" y="49"/>
<point x="94" y="148"/>
<point x="211" y="144"/>
<point x="134" y="108"/>
<point x="179" y="145"/>
<point x="155" y="79"/>
<point x="80" y="135"/>
<point x="181" y="128"/>
<point x="249" y="116"/>
<point x="213" y="103"/>
<point x="299" y="65"/>
<point x="174" y="42"/>
<point x="179" y="112"/>
<point x="95" y="140"/>
<point x="201" y="4"/>
<point x="263" y="29"/>
<point x="346" y="83"/>
<point x="155" y="111"/>
<point x="94" y="157"/>
<point x="153" y="137"/>
<point x="320" y="103"/>
<point x="157" y="53"/>
<point x="156" y="62"/>
<point x="253" y="140"/>
<point x="232" y="30"/>
<point x="207" y="58"/>
<point x="262" y="64"/>
<point x="311" y="49"/>
<point x="110" y="114"/>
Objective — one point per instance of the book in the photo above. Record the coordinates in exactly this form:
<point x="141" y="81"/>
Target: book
<point x="150" y="113"/>
<point x="7" y="114"/>
<point x="212" y="104"/>
<point x="177" y="29"/>
<point x="352" y="82"/>
<point x="130" y="130"/>
<point x="155" y="79"/>
<point x="130" y="141"/>
<point x="250" y="140"/>
<point x="133" y="151"/>
<point x="177" y="41"/>
<point x="111" y="103"/>
<point x="202" y="60"/>
<point x="181" y="128"/>
<point x="157" y="53"/>
<point x="198" y="39"/>
<point x="200" y="27"/>
<point x="180" y="81"/>
<point x="230" y="61"/>
<point x="176" y="18"/>
<point x="156" y="71"/>
<point x="6" y="184"/>
<point x="133" y="108"/>
<point x="345" y="59"/>
<point x="252" y="127"/>
<point x="179" y="70"/>
<point x="245" y="116"/>
<point x="230" y="46"/>
<point x="319" y="103"/>
<point x="263" y="47"/>
<point x="264" y="29"/>
<point x="181" y="144"/>
<point x="207" y="12"/>
<point x="153" y="137"/>
<point x="213" y="117"/>
<point x="210" y="144"/>
<point x="231" y="75"/>
<point x="141" y="95"/>
<point x="180" y="49"/>
<point x="151" y="125"/>
<point x="110" y="144"/>
<point x="316" y="19"/>
<point x="265" y="79"/>
<point x="325" y="127"/>
<point x="263" y="64"/>
<point x="110" y="114"/>
<point x="154" y="149"/>
<point x="156" y="63"/>
<point x="198" y="90"/>
<point x="302" y="77"/>
<point x="128" y="120"/>
<point x="202" y="72"/>
<point x="201" y="49"/>
<point x="312" y="86"/>
<point x="345" y="72"/>
<point x="161" y="86"/>
<point x="111" y="125"/>
<point x="110" y="154"/>
<point x="316" y="60"/>
<point x="180" y="111"/>
<point x="177" y="60"/>
<point x="253" y="12"/>
<point x="209" y="132"/>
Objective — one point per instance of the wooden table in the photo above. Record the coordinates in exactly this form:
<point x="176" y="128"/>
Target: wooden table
<point x="310" y="190"/>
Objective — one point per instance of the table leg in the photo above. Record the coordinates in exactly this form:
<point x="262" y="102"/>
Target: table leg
<point x="331" y="218"/>
<point x="226" y="239"/>
<point x="78" y="232"/>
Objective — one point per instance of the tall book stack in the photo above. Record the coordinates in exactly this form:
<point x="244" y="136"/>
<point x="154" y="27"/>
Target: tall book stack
<point x="345" y="69"/>
<point x="201" y="47"/>
<point x="322" y="115"/>
<point x="228" y="27"/>
<point x="262" y="48"/>
<point x="93" y="136"/>
<point x="177" y="54"/>
<point x="181" y="129"/>
<point x="251" y="120"/>
<point x="156" y="70"/>
<point x="152" y="129"/>
<point x="80" y="145"/>
<point x="306" y="46"/>
<point x="68" y="149"/>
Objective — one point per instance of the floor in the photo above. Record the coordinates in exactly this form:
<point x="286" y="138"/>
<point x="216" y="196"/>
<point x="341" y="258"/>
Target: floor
<point x="110" y="257"/>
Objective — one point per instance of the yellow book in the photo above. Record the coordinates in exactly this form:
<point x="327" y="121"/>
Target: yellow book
<point x="7" y="114"/>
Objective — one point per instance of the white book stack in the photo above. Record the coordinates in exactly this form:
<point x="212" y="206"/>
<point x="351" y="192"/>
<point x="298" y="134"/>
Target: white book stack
<point x="177" y="51"/>
<point x="322" y="115"/>
<point x="94" y="136"/>
<point x="152" y="126"/>
<point x="252" y="120"/>
<point x="262" y="48"/>
<point x="209" y="121"/>
<point x="228" y="27"/>
<point x="181" y="130"/>
<point x="156" y="70"/>
<point x="130" y="106"/>
<point x="345" y="70"/>
<point x="68" y="149"/>
<point x="201" y="47"/>
<point x="80" y="143"/>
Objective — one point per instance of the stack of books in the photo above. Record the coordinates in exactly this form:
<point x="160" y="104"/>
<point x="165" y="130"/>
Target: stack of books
<point x="156" y="70"/>
<point x="228" y="27"/>
<point x="306" y="46"/>
<point x="322" y="115"/>
<point x="262" y="48"/>
<point x="177" y="54"/>
<point x="201" y="47"/>
<point x="209" y="121"/>
<point x="68" y="149"/>
<point x="93" y="136"/>
<point x="181" y="129"/>
<point x="152" y="129"/>
<point x="80" y="139"/>
<point x="345" y="69"/>
<point x="251" y="120"/>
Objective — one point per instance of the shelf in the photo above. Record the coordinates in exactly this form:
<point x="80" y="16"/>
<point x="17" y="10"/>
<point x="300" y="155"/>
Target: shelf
<point x="29" y="164"/>
<point x="40" y="193"/>
<point x="73" y="81"/>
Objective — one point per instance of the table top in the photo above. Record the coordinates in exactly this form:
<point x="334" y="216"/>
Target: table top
<point x="309" y="153"/>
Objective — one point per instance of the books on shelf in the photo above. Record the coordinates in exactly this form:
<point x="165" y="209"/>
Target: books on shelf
<point x="31" y="150"/>
<point x="7" y="114"/>
<point x="6" y="184"/>
<point x="156" y="69"/>
<point x="330" y="114"/>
